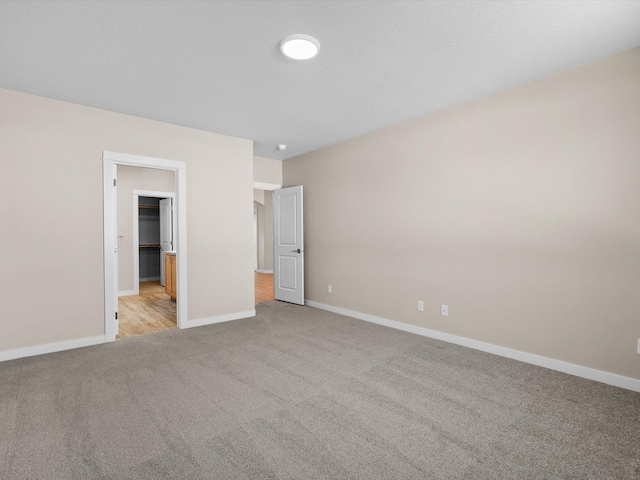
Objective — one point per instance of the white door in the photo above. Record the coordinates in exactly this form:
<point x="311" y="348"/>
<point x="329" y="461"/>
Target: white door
<point x="288" y="245"/>
<point x="166" y="233"/>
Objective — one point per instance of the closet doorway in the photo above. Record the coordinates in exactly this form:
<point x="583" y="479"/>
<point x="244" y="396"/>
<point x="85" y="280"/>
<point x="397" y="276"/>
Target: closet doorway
<point x="152" y="307"/>
<point x="154" y="234"/>
<point x="141" y="251"/>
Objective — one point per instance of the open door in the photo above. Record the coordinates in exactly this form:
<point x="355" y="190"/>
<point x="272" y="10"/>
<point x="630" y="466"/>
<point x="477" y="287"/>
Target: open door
<point x="166" y="233"/>
<point x="288" y="245"/>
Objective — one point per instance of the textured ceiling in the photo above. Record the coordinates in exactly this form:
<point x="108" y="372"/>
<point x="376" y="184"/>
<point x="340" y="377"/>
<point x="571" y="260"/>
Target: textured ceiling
<point x="216" y="66"/>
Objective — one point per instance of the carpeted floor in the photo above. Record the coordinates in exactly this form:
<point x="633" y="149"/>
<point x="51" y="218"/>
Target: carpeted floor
<point x="300" y="393"/>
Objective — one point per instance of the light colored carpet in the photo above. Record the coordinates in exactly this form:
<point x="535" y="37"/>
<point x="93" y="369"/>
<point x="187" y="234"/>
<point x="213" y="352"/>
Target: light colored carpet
<point x="300" y="393"/>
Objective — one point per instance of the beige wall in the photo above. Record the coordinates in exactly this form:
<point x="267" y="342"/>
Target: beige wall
<point x="520" y="211"/>
<point x="267" y="170"/>
<point x="52" y="247"/>
<point x="130" y="179"/>
<point x="258" y="196"/>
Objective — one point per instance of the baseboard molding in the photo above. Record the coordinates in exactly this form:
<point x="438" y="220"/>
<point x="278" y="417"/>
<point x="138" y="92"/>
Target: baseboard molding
<point x="149" y="279"/>
<point x="264" y="271"/>
<point x="546" y="362"/>
<point x="51" y="348"/>
<point x="219" y="319"/>
<point x="126" y="293"/>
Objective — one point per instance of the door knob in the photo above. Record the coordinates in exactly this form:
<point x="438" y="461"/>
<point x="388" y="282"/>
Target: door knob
<point x="297" y="250"/>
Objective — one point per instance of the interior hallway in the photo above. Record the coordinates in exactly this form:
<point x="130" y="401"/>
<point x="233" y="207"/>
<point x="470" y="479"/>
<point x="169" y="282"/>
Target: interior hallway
<point x="151" y="311"/>
<point x="264" y="287"/>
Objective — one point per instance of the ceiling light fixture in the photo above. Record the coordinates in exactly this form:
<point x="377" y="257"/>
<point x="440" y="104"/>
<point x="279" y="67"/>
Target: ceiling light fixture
<point x="299" y="47"/>
<point x="282" y="147"/>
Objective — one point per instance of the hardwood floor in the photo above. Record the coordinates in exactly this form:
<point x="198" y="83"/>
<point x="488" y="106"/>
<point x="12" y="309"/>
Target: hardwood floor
<point x="264" y="287"/>
<point x="154" y="311"/>
<point x="151" y="311"/>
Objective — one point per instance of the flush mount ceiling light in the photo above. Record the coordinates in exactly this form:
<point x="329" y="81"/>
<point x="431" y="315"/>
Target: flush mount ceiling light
<point x="299" y="47"/>
<point x="282" y="147"/>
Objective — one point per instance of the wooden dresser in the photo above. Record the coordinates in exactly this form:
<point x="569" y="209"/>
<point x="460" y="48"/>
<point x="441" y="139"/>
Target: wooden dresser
<point x="170" y="274"/>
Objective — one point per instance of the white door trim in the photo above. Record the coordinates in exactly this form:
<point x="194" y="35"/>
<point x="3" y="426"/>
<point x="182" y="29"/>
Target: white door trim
<point x="153" y="193"/>
<point x="109" y="159"/>
<point x="266" y="186"/>
<point x="136" y="231"/>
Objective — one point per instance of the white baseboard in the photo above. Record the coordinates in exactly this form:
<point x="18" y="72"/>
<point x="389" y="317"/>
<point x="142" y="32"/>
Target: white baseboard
<point x="51" y="348"/>
<point x="220" y="318"/>
<point x="264" y="271"/>
<point x="149" y="279"/>
<point x="546" y="362"/>
<point x="126" y="293"/>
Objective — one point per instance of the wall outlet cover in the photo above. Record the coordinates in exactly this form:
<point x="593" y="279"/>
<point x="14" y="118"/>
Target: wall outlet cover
<point x="444" y="310"/>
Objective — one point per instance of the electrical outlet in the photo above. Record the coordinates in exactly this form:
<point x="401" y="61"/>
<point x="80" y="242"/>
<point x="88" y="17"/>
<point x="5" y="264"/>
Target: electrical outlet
<point x="420" y="306"/>
<point x="444" y="310"/>
<point x="329" y="289"/>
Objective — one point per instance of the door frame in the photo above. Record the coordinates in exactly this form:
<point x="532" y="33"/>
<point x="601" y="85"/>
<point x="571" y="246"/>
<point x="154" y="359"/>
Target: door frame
<point x="109" y="162"/>
<point x="136" y="230"/>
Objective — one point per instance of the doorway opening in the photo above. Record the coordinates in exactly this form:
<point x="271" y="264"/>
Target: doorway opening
<point x="144" y="245"/>
<point x="263" y="245"/>
<point x="152" y="307"/>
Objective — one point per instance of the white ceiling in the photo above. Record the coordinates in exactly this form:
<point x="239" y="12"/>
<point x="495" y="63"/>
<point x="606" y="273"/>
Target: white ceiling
<point x="216" y="66"/>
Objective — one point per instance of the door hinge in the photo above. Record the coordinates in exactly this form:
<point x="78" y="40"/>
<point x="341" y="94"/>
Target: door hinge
<point x="116" y="315"/>
<point x="114" y="182"/>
